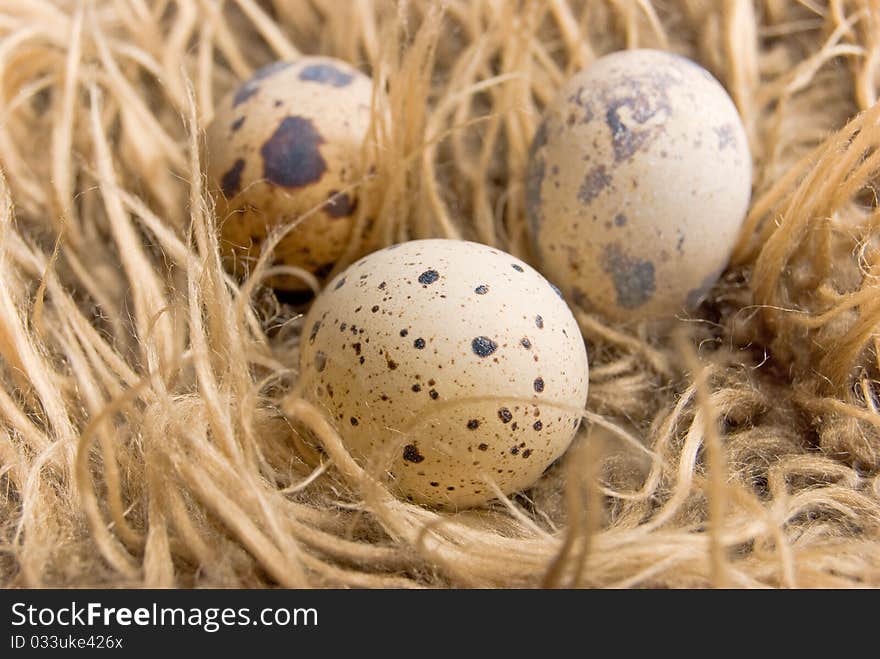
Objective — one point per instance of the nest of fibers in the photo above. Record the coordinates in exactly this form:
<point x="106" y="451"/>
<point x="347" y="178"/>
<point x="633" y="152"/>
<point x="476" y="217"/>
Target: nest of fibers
<point x="147" y="435"/>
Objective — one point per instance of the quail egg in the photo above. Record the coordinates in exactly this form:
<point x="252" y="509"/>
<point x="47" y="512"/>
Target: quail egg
<point x="639" y="179"/>
<point x="448" y="364"/>
<point x="288" y="141"/>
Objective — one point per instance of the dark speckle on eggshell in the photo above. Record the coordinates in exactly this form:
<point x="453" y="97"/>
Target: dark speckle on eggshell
<point x="483" y="346"/>
<point x="595" y="180"/>
<point x="626" y="142"/>
<point x="726" y="136"/>
<point x="581" y="98"/>
<point x="411" y="454"/>
<point x="249" y="88"/>
<point x="339" y="204"/>
<point x="244" y="92"/>
<point x="535" y="178"/>
<point x="633" y="278"/>
<point x="643" y="100"/>
<point x="540" y="138"/>
<point x="326" y="74"/>
<point x="230" y="183"/>
<point x="429" y="277"/>
<point x="291" y="156"/>
<point x="314" y="331"/>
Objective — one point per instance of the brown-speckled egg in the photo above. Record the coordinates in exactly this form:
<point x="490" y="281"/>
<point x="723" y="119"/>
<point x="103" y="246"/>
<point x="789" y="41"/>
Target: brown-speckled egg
<point x="639" y="179"/>
<point x="287" y="141"/>
<point x="447" y="364"/>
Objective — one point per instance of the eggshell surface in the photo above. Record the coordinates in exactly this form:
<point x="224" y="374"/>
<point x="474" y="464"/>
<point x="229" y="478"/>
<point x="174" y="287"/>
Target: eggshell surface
<point x="447" y="364"/>
<point x="287" y="141"/>
<point x="639" y="179"/>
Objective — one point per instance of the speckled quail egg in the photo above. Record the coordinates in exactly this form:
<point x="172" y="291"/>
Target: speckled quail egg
<point x="639" y="179"/>
<point x="287" y="141"/>
<point x="447" y="364"/>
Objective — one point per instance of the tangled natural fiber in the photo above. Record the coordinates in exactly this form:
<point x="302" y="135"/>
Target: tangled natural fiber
<point x="148" y="436"/>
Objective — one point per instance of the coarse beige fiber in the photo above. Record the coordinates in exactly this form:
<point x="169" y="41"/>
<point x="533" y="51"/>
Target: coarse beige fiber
<point x="148" y="434"/>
